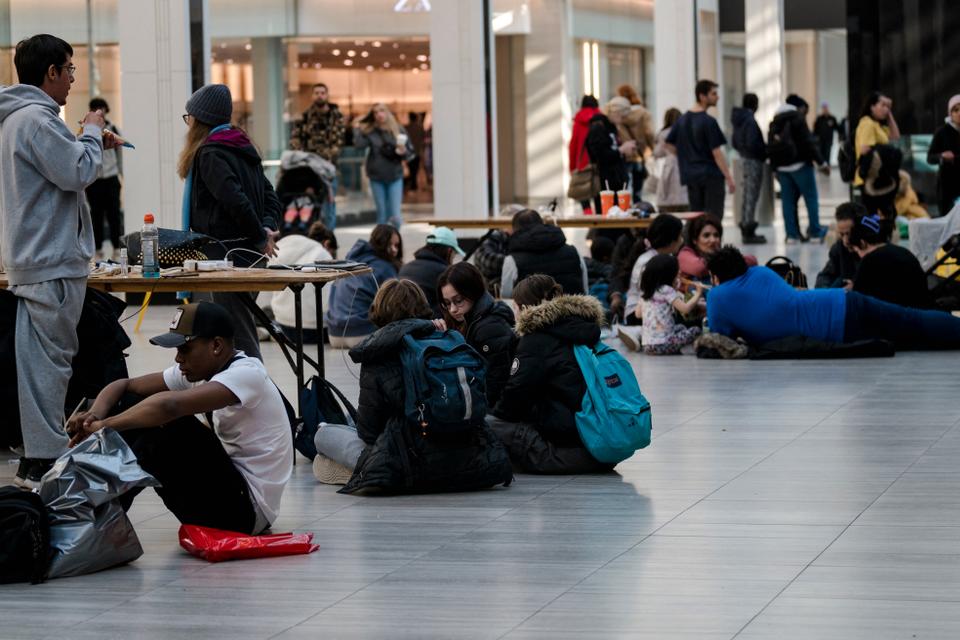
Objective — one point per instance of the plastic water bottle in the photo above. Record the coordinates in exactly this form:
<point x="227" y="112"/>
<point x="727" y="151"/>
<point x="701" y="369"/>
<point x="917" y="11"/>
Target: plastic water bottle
<point x="149" y="246"/>
<point x="124" y="265"/>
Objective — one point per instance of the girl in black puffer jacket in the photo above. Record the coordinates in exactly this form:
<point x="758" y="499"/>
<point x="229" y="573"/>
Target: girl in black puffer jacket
<point x="535" y="417"/>
<point x="487" y="324"/>
<point x="387" y="452"/>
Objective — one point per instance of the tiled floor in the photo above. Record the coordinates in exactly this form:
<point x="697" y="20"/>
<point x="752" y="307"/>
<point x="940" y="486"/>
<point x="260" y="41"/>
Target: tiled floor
<point x="778" y="500"/>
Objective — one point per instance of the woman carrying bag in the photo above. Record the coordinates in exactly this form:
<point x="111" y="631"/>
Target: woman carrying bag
<point x="389" y="146"/>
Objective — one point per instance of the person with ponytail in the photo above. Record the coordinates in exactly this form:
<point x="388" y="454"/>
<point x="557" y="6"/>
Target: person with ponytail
<point x="887" y="272"/>
<point x="536" y="415"/>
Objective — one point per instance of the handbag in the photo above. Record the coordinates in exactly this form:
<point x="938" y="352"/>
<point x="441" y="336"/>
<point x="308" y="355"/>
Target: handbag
<point x="584" y="183"/>
<point x="175" y="246"/>
<point x="788" y="270"/>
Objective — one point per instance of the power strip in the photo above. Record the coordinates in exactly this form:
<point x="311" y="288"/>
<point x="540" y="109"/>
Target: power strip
<point x="207" y="265"/>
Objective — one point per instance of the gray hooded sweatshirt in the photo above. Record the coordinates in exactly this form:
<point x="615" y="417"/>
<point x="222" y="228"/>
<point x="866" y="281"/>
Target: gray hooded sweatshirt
<point x="45" y="230"/>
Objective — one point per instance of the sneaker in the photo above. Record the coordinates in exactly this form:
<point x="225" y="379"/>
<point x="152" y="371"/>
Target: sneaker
<point x="819" y="237"/>
<point x="754" y="239"/>
<point x="794" y="240"/>
<point x="327" y="471"/>
<point x="629" y="340"/>
<point x="31" y="471"/>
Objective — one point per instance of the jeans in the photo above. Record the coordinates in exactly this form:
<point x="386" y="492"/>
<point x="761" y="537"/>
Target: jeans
<point x="532" y="454"/>
<point x="329" y="208"/>
<point x="387" y="197"/>
<point x="793" y="184"/>
<point x="752" y="184"/>
<point x="707" y="195"/>
<point x="907" y="328"/>
<point x="200" y="483"/>
<point x="340" y="443"/>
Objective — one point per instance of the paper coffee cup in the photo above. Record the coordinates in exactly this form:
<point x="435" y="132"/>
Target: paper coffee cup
<point x="402" y="139"/>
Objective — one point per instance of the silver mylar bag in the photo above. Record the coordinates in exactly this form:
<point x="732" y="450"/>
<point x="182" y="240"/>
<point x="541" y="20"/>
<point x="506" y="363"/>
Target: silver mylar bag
<point x="89" y="530"/>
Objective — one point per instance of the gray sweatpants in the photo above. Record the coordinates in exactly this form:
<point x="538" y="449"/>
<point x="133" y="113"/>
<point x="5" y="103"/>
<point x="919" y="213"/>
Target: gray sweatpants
<point x="340" y="443"/>
<point x="46" y="341"/>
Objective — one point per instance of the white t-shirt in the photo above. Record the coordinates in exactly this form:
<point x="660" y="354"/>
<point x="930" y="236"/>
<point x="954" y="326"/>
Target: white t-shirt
<point x="634" y="295"/>
<point x="255" y="433"/>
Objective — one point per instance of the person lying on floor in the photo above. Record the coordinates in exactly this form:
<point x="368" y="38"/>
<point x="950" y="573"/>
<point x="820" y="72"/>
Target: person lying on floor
<point x="387" y="451"/>
<point x="535" y="417"/>
<point x="213" y="428"/>
<point x="758" y="305"/>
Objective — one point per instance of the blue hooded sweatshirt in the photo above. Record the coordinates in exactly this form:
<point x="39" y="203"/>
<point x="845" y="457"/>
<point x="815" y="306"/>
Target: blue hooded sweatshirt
<point x="350" y="298"/>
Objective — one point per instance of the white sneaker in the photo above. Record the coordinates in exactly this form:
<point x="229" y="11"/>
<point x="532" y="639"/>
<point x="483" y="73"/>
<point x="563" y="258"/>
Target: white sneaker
<point x="327" y="471"/>
<point x="629" y="340"/>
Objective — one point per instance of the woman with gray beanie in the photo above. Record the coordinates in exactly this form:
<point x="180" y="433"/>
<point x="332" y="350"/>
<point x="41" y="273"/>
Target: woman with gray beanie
<point x="944" y="151"/>
<point x="227" y="196"/>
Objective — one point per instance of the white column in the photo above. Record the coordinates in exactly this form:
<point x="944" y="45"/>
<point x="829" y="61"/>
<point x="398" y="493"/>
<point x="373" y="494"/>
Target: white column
<point x="765" y="56"/>
<point x="155" y="70"/>
<point x="674" y="43"/>
<point x="269" y="93"/>
<point x="460" y="118"/>
<point x="547" y="67"/>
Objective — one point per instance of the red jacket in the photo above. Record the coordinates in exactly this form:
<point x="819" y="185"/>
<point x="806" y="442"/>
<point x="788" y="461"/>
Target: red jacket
<point x="581" y="125"/>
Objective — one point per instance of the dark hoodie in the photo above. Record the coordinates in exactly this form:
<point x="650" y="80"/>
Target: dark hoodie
<point x="543" y="248"/>
<point x="546" y="386"/>
<point x="603" y="147"/>
<point x="489" y="330"/>
<point x="397" y="458"/>
<point x="747" y="137"/>
<point x="231" y="198"/>
<point x="350" y="298"/>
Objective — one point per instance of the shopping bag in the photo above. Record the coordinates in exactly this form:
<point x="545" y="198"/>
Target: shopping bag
<point x="216" y="545"/>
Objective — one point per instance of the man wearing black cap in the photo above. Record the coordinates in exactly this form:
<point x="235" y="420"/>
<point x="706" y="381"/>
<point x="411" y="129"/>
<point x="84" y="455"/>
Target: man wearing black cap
<point x="212" y="428"/>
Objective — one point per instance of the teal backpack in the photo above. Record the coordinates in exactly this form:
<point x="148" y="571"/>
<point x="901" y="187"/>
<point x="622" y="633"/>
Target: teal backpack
<point x="614" y="418"/>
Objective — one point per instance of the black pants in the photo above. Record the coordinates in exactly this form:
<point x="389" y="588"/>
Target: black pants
<point x="104" y="198"/>
<point x="200" y="484"/>
<point x="530" y="453"/>
<point x="707" y="195"/>
<point x="907" y="328"/>
<point x="413" y="167"/>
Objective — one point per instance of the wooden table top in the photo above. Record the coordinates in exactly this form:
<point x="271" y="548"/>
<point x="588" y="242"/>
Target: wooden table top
<point x="568" y="221"/>
<point x="236" y="280"/>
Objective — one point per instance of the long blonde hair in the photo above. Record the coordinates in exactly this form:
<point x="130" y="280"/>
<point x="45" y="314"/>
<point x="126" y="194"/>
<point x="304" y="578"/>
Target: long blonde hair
<point x="196" y="136"/>
<point x="369" y="121"/>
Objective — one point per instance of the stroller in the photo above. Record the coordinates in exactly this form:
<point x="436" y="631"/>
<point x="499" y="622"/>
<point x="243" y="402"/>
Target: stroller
<point x="303" y="186"/>
<point x="943" y="276"/>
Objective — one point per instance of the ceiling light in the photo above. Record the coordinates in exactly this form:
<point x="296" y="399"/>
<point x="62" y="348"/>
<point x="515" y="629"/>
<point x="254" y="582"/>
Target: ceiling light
<point x="364" y="54"/>
<point x="223" y="45"/>
<point x="403" y="56"/>
<point x="396" y="45"/>
<point x="369" y="67"/>
<point x="376" y="43"/>
<point x="348" y="62"/>
<point x="351" y="53"/>
<point x="422" y="58"/>
<point x="411" y="6"/>
<point x="415" y="70"/>
<point x="248" y="46"/>
<point x="386" y="65"/>
<point x="335" y="52"/>
<point x="424" y="66"/>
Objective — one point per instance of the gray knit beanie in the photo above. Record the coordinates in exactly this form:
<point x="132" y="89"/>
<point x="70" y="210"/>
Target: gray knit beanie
<point x="211" y="104"/>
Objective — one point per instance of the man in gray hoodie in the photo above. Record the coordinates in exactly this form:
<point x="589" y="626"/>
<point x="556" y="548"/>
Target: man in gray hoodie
<point x="46" y="237"/>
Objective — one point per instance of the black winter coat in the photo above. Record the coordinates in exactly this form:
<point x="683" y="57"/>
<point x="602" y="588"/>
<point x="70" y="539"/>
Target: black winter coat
<point x="397" y="458"/>
<point x="231" y="198"/>
<point x="425" y="269"/>
<point x="747" y="137"/>
<point x="546" y="386"/>
<point x="542" y="248"/>
<point x="603" y="148"/>
<point x="807" y="150"/>
<point x="489" y="330"/>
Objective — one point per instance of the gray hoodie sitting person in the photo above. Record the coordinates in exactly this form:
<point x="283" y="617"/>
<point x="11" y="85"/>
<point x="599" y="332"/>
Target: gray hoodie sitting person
<point x="46" y="237"/>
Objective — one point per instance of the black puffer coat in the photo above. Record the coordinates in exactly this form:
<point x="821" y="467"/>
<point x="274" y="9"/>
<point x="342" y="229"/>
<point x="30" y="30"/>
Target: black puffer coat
<point x="397" y="459"/>
<point x="603" y="147"/>
<point x="542" y="248"/>
<point x="489" y="330"/>
<point x="546" y="387"/>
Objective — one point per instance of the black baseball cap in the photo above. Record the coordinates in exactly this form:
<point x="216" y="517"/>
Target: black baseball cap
<point x="199" y="320"/>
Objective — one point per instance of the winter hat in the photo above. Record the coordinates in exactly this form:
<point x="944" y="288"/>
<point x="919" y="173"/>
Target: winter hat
<point x="952" y="103"/>
<point x="619" y="103"/>
<point x="211" y="104"/>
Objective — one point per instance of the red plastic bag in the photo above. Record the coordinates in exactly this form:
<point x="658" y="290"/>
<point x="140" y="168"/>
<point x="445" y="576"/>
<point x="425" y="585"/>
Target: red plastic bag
<point x="216" y="545"/>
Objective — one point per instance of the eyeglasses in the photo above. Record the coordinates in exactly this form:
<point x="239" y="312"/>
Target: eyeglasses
<point x="455" y="302"/>
<point x="71" y="69"/>
<point x="186" y="118"/>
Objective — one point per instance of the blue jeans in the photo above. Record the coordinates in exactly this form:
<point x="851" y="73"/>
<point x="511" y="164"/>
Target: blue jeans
<point x="387" y="197"/>
<point x="793" y="184"/>
<point x="329" y="208"/>
<point x="340" y="443"/>
<point x="907" y="328"/>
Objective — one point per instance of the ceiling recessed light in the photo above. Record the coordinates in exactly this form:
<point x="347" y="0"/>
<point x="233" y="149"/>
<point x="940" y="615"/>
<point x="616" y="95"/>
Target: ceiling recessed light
<point x="223" y="45"/>
<point x="386" y="65"/>
<point x="364" y="54"/>
<point x="396" y="45"/>
<point x="348" y="62"/>
<point x="369" y="67"/>
<point x="248" y="46"/>
<point x="422" y="58"/>
<point x="351" y="53"/>
<point x="335" y="52"/>
<point x="376" y="43"/>
<point x="403" y="56"/>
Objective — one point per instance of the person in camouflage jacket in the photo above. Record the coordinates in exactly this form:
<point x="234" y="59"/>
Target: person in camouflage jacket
<point x="321" y="131"/>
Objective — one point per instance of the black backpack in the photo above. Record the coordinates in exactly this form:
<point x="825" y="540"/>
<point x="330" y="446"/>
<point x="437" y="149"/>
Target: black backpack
<point x="24" y="537"/>
<point x="320" y="402"/>
<point x="781" y="146"/>
<point x="788" y="270"/>
<point x="847" y="159"/>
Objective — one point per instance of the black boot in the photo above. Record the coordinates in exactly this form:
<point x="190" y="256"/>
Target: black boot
<point x="748" y="233"/>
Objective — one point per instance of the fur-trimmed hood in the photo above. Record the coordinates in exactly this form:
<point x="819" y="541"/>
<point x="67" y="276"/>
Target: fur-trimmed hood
<point x="576" y="319"/>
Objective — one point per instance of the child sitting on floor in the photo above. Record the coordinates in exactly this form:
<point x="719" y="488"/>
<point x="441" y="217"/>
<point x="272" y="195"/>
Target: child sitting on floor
<point x="662" y="335"/>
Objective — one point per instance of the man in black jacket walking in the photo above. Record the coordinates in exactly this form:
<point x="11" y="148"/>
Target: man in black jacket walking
<point x="748" y="141"/>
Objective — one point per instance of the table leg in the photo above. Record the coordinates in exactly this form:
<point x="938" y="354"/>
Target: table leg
<point x="298" y="314"/>
<point x="321" y="366"/>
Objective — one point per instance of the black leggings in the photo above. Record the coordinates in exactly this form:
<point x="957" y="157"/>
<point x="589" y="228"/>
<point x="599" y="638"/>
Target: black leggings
<point x="200" y="483"/>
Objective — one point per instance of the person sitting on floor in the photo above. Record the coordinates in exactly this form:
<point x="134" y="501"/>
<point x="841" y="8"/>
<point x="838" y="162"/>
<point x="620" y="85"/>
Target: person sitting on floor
<point x="535" y="417"/>
<point x="842" y="261"/>
<point x="387" y="451"/>
<point x="757" y="304"/>
<point x="430" y="261"/>
<point x="907" y="202"/>
<point x="887" y="272"/>
<point x="297" y="249"/>
<point x="600" y="269"/>
<point x="213" y="428"/>
<point x="536" y="247"/>
<point x="487" y="324"/>
<point x="347" y="320"/>
<point x="662" y="334"/>
<point x="493" y="249"/>
<point x="664" y="237"/>
<point x="703" y="237"/>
